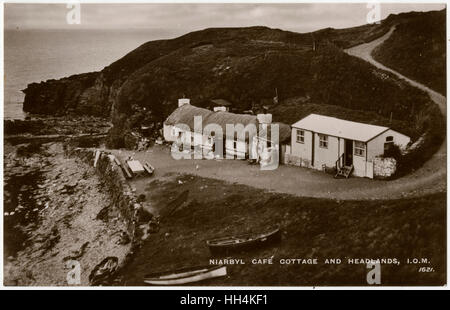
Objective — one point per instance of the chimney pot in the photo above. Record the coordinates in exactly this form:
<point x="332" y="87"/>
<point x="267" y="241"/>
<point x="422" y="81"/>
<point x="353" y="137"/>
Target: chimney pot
<point x="183" y="101"/>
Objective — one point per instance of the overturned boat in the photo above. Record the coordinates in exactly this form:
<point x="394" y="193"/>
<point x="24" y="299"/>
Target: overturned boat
<point x="244" y="242"/>
<point x="186" y="275"/>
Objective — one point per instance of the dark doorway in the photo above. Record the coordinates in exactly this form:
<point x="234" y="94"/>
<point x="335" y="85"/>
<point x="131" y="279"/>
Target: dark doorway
<point x="348" y="150"/>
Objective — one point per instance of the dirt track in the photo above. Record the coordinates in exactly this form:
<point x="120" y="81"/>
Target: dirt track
<point x="364" y="51"/>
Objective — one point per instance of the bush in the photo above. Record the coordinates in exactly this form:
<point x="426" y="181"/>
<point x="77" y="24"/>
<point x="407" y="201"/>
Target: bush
<point x="434" y="136"/>
<point x="393" y="152"/>
<point x="115" y="139"/>
<point x="130" y="141"/>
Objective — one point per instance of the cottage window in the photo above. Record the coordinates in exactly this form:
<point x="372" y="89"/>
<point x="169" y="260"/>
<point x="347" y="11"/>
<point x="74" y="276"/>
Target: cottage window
<point x="300" y="136"/>
<point x="388" y="145"/>
<point x="360" y="148"/>
<point x="176" y="132"/>
<point x="323" y="141"/>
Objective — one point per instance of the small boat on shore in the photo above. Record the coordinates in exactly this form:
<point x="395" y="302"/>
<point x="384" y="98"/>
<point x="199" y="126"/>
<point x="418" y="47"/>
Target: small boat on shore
<point x="186" y="275"/>
<point x="243" y="242"/>
<point x="149" y="168"/>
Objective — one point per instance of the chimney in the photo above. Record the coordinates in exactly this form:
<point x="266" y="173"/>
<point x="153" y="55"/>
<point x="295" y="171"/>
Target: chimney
<point x="221" y="109"/>
<point x="264" y="118"/>
<point x="183" y="101"/>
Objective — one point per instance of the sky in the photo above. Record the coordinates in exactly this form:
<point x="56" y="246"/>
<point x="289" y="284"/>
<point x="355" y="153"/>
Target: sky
<point x="183" y="17"/>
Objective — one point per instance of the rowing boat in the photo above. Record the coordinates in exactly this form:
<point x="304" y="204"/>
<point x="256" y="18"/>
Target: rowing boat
<point x="149" y="168"/>
<point x="186" y="275"/>
<point x="243" y="242"/>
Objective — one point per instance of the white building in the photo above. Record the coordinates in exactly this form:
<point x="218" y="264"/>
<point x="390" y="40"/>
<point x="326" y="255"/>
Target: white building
<point x="180" y="127"/>
<point x="321" y="141"/>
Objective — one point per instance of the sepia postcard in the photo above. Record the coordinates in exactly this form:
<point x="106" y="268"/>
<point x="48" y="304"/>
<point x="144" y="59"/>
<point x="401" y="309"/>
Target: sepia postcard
<point x="224" y="145"/>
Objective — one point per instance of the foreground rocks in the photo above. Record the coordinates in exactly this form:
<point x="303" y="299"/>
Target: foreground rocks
<point x="63" y="125"/>
<point x="52" y="229"/>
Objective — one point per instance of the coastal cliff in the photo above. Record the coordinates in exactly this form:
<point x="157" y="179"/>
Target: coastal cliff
<point x="82" y="94"/>
<point x="245" y="66"/>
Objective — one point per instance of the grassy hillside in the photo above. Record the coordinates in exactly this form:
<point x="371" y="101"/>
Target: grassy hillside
<point x="247" y="73"/>
<point x="311" y="228"/>
<point x="245" y="66"/>
<point x="417" y="49"/>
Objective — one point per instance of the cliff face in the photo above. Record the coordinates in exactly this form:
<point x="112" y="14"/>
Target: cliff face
<point x="79" y="94"/>
<point x="205" y="64"/>
<point x="242" y="65"/>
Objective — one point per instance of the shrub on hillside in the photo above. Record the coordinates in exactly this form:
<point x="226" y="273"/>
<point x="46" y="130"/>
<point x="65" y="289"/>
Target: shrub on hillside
<point x="435" y="128"/>
<point x="115" y="139"/>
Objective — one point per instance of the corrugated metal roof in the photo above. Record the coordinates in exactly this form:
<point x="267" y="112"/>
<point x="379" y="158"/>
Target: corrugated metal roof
<point x="340" y="128"/>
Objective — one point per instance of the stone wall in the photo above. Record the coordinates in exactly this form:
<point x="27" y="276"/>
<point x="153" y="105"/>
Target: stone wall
<point x="124" y="200"/>
<point x="384" y="167"/>
<point x="120" y="191"/>
<point x="296" y="161"/>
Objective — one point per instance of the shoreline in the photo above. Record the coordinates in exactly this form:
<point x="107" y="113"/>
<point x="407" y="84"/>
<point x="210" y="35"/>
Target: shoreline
<point x="63" y="220"/>
<point x="60" y="210"/>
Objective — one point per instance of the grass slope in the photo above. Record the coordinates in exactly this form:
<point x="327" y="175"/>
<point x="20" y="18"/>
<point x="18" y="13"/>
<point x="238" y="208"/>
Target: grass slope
<point x="312" y="228"/>
<point x="247" y="73"/>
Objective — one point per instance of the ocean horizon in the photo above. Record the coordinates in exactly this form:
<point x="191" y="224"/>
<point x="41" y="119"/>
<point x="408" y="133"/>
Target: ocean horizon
<point x="33" y="56"/>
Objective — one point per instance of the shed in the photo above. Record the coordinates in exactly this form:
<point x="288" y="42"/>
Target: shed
<point x="323" y="141"/>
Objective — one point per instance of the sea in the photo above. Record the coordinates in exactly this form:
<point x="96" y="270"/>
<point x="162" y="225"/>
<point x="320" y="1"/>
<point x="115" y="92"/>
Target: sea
<point x="38" y="55"/>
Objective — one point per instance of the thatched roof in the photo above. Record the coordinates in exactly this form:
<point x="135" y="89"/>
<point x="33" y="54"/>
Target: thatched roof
<point x="186" y="113"/>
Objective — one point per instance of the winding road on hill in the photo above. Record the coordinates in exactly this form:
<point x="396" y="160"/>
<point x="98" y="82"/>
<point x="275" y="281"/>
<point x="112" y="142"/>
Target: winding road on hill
<point x="364" y="51"/>
<point x="429" y="178"/>
<point x="434" y="171"/>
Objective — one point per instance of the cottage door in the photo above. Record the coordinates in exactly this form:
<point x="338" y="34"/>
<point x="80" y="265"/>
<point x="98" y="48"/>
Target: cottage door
<point x="348" y="152"/>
